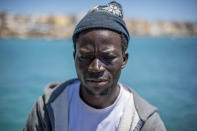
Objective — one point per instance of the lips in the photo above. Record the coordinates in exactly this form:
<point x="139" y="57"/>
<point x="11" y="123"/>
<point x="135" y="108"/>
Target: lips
<point x="97" y="82"/>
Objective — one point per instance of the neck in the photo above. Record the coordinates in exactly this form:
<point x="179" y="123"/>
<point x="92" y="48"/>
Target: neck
<point x="101" y="100"/>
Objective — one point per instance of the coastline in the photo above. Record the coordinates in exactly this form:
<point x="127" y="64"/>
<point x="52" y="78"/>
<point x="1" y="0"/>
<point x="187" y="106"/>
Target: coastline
<point x="61" y="27"/>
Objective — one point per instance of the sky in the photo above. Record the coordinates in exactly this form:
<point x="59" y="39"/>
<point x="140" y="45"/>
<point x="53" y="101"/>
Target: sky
<point x="151" y="10"/>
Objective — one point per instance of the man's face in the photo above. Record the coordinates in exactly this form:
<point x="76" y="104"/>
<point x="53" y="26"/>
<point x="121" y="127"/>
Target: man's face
<point x="99" y="60"/>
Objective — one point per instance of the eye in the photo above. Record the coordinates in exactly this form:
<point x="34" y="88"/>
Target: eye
<point x="108" y="58"/>
<point x="85" y="58"/>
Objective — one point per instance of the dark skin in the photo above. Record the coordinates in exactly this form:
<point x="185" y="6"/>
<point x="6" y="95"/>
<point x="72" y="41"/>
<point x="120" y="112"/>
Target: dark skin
<point x="99" y="59"/>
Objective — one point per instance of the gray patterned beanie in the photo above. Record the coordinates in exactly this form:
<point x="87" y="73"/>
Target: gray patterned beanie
<point x="103" y="17"/>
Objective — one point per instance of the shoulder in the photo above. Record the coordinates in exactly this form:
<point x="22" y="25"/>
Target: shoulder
<point x="154" y="123"/>
<point x="53" y="90"/>
<point x="38" y="118"/>
<point x="147" y="113"/>
<point x="143" y="108"/>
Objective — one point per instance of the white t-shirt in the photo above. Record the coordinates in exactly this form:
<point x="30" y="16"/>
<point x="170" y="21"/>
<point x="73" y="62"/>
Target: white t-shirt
<point x="83" y="117"/>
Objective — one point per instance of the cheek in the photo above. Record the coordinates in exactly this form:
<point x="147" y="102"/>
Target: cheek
<point x="115" y="71"/>
<point x="116" y="65"/>
<point x="80" y="69"/>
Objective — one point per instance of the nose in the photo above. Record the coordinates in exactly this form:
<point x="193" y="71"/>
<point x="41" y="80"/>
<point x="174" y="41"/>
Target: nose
<point x="96" y="66"/>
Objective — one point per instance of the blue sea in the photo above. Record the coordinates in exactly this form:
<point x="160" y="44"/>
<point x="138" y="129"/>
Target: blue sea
<point x="162" y="70"/>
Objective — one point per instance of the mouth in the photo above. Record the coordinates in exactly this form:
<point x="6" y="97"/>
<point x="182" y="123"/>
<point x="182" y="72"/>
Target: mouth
<point x="97" y="82"/>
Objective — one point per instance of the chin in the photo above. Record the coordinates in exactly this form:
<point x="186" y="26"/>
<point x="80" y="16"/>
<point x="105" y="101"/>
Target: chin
<point x="98" y="90"/>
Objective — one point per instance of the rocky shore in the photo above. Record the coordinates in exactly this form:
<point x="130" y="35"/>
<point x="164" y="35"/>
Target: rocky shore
<point x="61" y="26"/>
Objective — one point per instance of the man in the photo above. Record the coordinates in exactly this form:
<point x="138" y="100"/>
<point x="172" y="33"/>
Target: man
<point x="96" y="101"/>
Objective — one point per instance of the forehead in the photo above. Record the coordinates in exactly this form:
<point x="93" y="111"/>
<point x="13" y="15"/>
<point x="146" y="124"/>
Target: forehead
<point x="99" y="39"/>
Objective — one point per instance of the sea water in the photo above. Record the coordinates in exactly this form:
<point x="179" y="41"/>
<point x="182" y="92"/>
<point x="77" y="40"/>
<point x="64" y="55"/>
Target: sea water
<point x="162" y="70"/>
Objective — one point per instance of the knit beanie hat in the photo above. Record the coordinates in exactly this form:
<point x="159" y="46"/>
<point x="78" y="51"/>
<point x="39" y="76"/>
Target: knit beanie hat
<point x="108" y="16"/>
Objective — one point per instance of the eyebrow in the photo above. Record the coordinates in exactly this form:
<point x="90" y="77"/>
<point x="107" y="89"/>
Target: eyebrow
<point x="84" y="50"/>
<point x="109" y="50"/>
<point x="106" y="51"/>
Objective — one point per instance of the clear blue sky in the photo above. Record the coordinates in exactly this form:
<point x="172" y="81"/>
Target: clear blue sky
<point x="179" y="10"/>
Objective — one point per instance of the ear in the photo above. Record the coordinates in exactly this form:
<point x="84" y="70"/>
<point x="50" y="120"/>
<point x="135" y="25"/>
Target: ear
<point x="125" y="59"/>
<point x="74" y="53"/>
